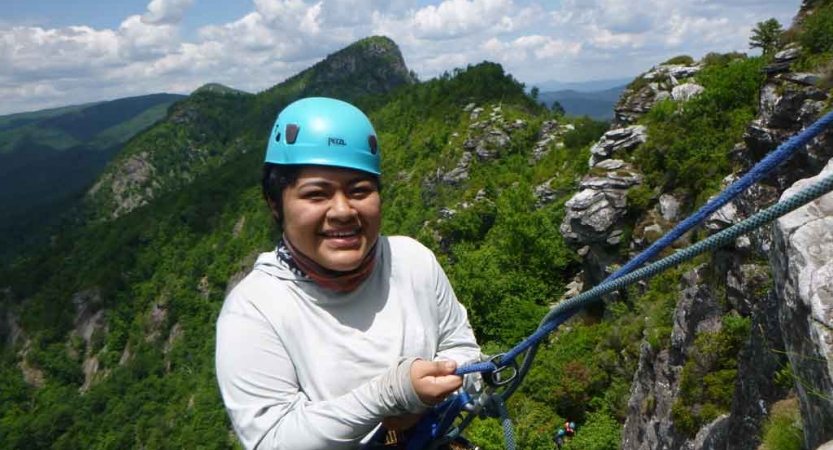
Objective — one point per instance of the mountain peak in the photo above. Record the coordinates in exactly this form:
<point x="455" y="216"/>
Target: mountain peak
<point x="368" y="66"/>
<point x="217" y="88"/>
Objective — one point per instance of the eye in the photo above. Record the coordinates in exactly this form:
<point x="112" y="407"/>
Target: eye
<point x="362" y="190"/>
<point x="316" y="194"/>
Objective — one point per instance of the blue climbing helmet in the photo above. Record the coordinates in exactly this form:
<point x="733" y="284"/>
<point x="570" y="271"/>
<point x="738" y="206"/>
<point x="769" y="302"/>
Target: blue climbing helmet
<point x="324" y="131"/>
<point x="572" y="425"/>
<point x="560" y="432"/>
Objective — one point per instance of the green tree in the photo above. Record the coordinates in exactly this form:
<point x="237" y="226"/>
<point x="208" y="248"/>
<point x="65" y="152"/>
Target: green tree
<point x="534" y="92"/>
<point x="766" y="36"/>
<point x="557" y="108"/>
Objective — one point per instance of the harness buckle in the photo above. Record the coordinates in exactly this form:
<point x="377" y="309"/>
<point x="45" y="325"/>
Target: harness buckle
<point x="498" y="379"/>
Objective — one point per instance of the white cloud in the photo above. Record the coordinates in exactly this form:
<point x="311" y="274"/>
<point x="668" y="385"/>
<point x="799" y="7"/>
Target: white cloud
<point x="453" y="18"/>
<point x="568" y="40"/>
<point x="165" y="12"/>
<point x="141" y="41"/>
<point x="35" y="54"/>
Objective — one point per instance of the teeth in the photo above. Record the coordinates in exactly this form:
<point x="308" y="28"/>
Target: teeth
<point x="340" y="234"/>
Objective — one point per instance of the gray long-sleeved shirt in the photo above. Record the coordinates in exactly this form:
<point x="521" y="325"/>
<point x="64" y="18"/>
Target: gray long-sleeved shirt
<point x="301" y="367"/>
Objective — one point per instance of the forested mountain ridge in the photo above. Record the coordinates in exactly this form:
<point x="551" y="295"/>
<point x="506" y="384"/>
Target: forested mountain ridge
<point x="109" y="335"/>
<point x="99" y="125"/>
<point x="49" y="158"/>
<point x="213" y="126"/>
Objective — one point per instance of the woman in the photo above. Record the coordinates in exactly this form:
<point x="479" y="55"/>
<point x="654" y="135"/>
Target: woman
<point x="339" y="329"/>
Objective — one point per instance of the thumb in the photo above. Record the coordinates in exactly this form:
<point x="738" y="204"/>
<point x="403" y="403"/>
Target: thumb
<point x="444" y="368"/>
<point x="422" y="369"/>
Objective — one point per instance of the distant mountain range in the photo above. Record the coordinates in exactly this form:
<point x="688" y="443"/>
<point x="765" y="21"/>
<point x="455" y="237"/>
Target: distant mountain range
<point x="581" y="86"/>
<point x="596" y="104"/>
<point x="49" y="158"/>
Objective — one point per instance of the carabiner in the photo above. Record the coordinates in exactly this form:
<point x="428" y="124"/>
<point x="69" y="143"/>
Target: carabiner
<point x="496" y="378"/>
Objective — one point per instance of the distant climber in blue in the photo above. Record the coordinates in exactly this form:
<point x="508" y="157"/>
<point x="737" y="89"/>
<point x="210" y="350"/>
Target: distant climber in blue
<point x="558" y="438"/>
<point x="339" y="330"/>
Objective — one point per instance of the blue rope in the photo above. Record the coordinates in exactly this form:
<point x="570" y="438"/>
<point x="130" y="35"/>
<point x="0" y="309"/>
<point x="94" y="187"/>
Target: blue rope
<point x="568" y="308"/>
<point x="508" y="431"/>
<point x="761" y="170"/>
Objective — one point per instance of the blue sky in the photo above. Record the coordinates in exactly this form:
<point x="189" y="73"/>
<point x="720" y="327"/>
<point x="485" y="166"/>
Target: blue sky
<point x="58" y="52"/>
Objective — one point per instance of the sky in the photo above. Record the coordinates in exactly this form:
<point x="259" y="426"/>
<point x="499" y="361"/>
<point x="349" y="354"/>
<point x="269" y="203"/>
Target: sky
<point x="59" y="52"/>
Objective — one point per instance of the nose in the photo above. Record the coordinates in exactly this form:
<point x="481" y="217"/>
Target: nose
<point x="341" y="209"/>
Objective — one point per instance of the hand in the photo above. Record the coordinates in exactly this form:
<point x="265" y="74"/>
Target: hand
<point x="401" y="422"/>
<point x="434" y="381"/>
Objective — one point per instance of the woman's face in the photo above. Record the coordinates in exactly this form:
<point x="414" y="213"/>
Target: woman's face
<point x="332" y="215"/>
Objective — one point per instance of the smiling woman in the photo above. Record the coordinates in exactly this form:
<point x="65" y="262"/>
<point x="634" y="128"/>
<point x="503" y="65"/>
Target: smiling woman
<point x="339" y="330"/>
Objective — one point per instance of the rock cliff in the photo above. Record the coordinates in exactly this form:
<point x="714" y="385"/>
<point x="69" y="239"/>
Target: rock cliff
<point x="767" y="299"/>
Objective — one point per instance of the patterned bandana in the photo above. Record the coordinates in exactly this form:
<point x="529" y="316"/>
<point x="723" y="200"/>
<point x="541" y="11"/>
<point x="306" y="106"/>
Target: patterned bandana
<point x="304" y="267"/>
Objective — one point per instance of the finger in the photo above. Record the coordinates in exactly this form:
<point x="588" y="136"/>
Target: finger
<point x="452" y="381"/>
<point x="439" y="387"/>
<point x="421" y="369"/>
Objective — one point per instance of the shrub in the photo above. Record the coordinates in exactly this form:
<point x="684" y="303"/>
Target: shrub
<point x="721" y="59"/>
<point x="782" y="430"/>
<point x="586" y="131"/>
<point x="708" y="377"/>
<point x="600" y="432"/>
<point x="818" y="31"/>
<point x="683" y="60"/>
<point x="688" y="144"/>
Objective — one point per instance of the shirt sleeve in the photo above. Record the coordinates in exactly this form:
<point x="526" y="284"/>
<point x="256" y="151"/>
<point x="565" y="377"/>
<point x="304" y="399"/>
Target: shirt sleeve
<point x="456" y="338"/>
<point x="269" y="410"/>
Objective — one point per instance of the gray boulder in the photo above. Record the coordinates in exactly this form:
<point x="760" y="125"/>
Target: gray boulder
<point x="460" y="172"/>
<point x="686" y="92"/>
<point x="617" y="140"/>
<point x="790" y="53"/>
<point x="669" y="207"/>
<point x="802" y="261"/>
<point x="594" y="213"/>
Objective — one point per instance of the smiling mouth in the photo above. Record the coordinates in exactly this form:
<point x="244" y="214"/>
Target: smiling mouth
<point x="341" y="234"/>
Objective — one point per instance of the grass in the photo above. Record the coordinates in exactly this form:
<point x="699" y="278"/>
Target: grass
<point x="783" y="429"/>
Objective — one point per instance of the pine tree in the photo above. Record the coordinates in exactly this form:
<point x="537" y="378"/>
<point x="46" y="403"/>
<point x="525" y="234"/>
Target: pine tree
<point x="766" y="36"/>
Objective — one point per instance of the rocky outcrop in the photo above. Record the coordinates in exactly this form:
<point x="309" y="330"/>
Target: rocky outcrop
<point x="460" y="172"/>
<point x="787" y="107"/>
<point x="593" y="214"/>
<point x="650" y="425"/>
<point x="130" y="184"/>
<point x="649" y="88"/>
<point x="486" y="141"/>
<point x="375" y="64"/>
<point x="686" y="92"/>
<point x="617" y="140"/>
<point x="551" y="134"/>
<point x="783" y="324"/>
<point x="802" y="260"/>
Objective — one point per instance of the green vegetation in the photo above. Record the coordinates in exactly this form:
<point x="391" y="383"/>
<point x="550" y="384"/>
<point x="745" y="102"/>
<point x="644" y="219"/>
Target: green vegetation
<point x="688" y="143"/>
<point x="99" y="125"/>
<point x="167" y="265"/>
<point x="766" y="36"/>
<point x="708" y="378"/>
<point x="683" y="60"/>
<point x="154" y="394"/>
<point x="783" y="429"/>
<point x="813" y="33"/>
<point x="817" y="37"/>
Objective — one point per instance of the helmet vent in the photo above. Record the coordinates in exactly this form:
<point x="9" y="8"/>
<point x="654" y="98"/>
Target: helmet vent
<point x="291" y="133"/>
<point x="374" y="147"/>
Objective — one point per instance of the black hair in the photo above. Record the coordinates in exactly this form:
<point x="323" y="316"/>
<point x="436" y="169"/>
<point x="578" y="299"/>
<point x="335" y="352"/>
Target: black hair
<point x="277" y="177"/>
